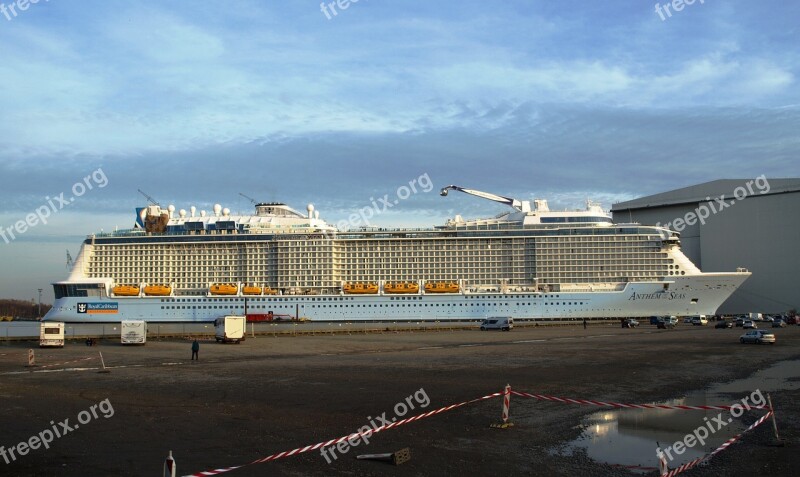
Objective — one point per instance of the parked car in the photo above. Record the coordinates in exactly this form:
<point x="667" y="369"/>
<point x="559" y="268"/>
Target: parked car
<point x="758" y="337"/>
<point x="667" y="323"/>
<point x="792" y="320"/>
<point x="503" y="323"/>
<point x="687" y="320"/>
<point x="655" y="319"/>
<point x="699" y="320"/>
<point x="630" y="323"/>
<point x="749" y="325"/>
<point x="723" y="324"/>
<point x="778" y="323"/>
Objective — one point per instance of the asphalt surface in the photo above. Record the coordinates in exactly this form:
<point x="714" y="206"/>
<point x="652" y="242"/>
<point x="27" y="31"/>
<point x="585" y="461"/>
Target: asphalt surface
<point x="243" y="402"/>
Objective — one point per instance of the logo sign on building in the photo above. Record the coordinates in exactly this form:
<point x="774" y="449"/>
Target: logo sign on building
<point x="98" y="308"/>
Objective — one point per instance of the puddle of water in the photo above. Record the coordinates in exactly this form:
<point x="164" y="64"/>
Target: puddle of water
<point x="782" y="376"/>
<point x="628" y="437"/>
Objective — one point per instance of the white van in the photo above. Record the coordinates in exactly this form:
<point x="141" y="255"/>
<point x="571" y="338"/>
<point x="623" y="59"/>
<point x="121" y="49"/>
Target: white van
<point x="699" y="320"/>
<point x="51" y="334"/>
<point x="503" y="323"/>
<point x="133" y="332"/>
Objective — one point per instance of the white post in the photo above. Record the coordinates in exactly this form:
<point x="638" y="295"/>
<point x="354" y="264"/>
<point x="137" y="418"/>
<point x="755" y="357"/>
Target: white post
<point x="506" y="402"/>
<point x="170" y="469"/>
<point x="663" y="467"/>
<point x="774" y="424"/>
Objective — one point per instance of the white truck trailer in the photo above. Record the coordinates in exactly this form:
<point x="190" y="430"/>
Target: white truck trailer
<point x="133" y="332"/>
<point x="51" y="334"/>
<point x="230" y="328"/>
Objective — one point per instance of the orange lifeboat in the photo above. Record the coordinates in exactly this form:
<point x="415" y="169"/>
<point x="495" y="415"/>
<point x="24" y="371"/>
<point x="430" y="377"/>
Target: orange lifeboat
<point x="157" y="290"/>
<point x="404" y="287"/>
<point x="126" y="290"/>
<point x="360" y="288"/>
<point x="251" y="290"/>
<point x="441" y="287"/>
<point x="224" y="289"/>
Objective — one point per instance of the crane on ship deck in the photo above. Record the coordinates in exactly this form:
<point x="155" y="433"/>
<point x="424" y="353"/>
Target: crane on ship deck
<point x="254" y="202"/>
<point x="513" y="203"/>
<point x="149" y="199"/>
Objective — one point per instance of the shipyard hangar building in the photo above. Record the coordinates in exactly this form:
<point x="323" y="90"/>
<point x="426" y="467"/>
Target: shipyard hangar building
<point x="731" y="223"/>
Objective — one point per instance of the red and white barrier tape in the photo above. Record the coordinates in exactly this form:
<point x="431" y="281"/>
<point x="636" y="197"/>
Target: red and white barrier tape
<point x="589" y="402"/>
<point x="319" y="445"/>
<point x="725" y="445"/>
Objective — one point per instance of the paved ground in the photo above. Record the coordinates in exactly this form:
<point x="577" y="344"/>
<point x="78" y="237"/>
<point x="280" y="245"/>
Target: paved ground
<point x="242" y="402"/>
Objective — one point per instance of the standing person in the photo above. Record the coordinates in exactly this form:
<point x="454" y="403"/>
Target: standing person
<point x="195" y="351"/>
<point x="584" y="323"/>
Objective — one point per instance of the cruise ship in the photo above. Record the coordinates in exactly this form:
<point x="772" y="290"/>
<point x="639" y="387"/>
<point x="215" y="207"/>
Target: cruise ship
<point x="528" y="262"/>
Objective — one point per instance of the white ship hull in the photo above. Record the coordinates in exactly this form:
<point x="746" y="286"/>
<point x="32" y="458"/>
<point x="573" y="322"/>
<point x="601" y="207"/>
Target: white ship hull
<point x="700" y="294"/>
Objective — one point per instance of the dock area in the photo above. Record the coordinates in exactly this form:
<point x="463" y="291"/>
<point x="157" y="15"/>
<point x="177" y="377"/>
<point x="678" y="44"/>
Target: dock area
<point x="269" y="394"/>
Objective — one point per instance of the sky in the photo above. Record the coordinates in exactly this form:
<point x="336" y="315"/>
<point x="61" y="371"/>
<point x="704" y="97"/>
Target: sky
<point x="197" y="102"/>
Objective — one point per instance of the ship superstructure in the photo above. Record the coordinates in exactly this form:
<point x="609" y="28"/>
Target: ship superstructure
<point x="529" y="262"/>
